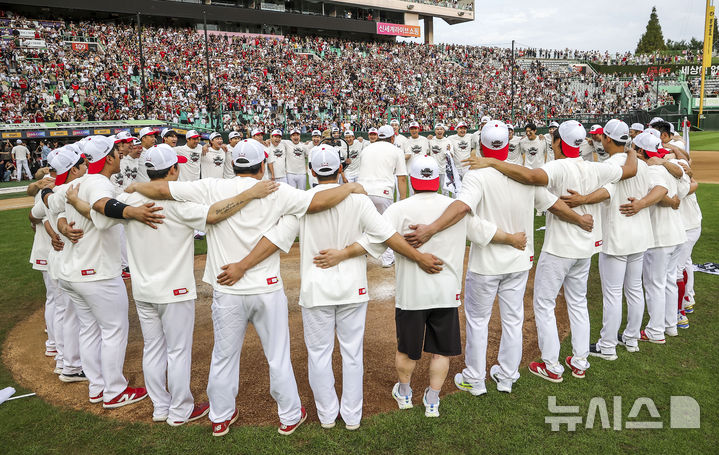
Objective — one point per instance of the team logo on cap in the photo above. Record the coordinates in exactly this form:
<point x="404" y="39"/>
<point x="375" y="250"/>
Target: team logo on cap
<point x="578" y="142"/>
<point x="426" y="172"/>
<point x="496" y="144"/>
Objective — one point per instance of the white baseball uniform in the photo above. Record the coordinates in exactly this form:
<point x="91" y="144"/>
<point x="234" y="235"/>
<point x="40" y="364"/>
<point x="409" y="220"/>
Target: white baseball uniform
<point x="39" y="254"/>
<point x="514" y="154"/>
<point x="586" y="150"/>
<point x="415" y="147"/>
<point x="296" y="164"/>
<point x="278" y="154"/>
<point x="163" y="285"/>
<point x="20" y="154"/>
<point x="565" y="260"/>
<point x="355" y="155"/>
<point x="548" y="147"/>
<point x="440" y="149"/>
<point x="498" y="270"/>
<point x="534" y="152"/>
<point x="141" y="168"/>
<point x="461" y="150"/>
<point x="212" y="164"/>
<point x="257" y="298"/>
<point x="334" y="299"/>
<point x="190" y="171"/>
<point x="691" y="216"/>
<point x="625" y="239"/>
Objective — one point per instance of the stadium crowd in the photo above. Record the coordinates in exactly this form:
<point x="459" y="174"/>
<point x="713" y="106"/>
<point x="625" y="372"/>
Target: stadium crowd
<point x="281" y="82"/>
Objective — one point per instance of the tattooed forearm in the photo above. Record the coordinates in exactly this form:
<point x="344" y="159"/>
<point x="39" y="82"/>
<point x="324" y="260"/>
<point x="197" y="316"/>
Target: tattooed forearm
<point x="228" y="208"/>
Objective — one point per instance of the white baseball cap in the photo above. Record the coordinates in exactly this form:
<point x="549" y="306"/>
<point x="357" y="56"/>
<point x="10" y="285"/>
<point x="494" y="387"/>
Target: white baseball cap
<point x="335" y="129"/>
<point x="414" y="125"/>
<point x="276" y="133"/>
<point x="349" y="133"/>
<point x="653" y="132"/>
<point x="325" y="159"/>
<point x="394" y="121"/>
<point x="166" y="131"/>
<point x="214" y="135"/>
<point x="19" y="141"/>
<point x="510" y="126"/>
<point x="637" y="127"/>
<point x="161" y="157"/>
<point x="256" y="131"/>
<point x="486" y="119"/>
<point x="247" y="153"/>
<point x="234" y="134"/>
<point x="494" y="141"/>
<point x="649" y="143"/>
<point x="655" y="120"/>
<point x="385" y="132"/>
<point x="146" y="131"/>
<point x="553" y="125"/>
<point x="372" y="130"/>
<point x="192" y="133"/>
<point x="295" y="131"/>
<point x="596" y="129"/>
<point x="316" y="133"/>
<point x="572" y="134"/>
<point x="461" y="125"/>
<point x="424" y="173"/>
<point x="96" y="148"/>
<point x="62" y="162"/>
<point x="617" y="130"/>
<point x="123" y="136"/>
<point x="136" y="141"/>
<point x="50" y="156"/>
<point x="439" y="125"/>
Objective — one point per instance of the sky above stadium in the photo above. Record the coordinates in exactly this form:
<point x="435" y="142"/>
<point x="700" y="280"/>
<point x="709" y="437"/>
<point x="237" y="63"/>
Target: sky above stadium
<point x="613" y="25"/>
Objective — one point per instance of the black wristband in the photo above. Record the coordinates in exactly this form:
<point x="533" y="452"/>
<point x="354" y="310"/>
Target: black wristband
<point x="114" y="209"/>
<point x="44" y="192"/>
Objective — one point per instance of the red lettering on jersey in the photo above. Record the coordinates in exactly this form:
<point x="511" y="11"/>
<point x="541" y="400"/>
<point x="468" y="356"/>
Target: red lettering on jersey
<point x="531" y="258"/>
<point x="386" y="192"/>
<point x="40" y="262"/>
<point x="87" y="272"/>
<point x="598" y="243"/>
<point x="457" y="297"/>
<point x="363" y="291"/>
<point x="272" y="280"/>
<point x="181" y="291"/>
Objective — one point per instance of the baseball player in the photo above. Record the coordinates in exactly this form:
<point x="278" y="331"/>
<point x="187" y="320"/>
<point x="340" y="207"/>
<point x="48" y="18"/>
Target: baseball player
<point x="625" y="228"/>
<point x="635" y="129"/>
<point x="296" y="160"/>
<point x="532" y="147"/>
<point x="334" y="295"/>
<point x="253" y="296"/>
<point x="277" y="153"/>
<point x="192" y="150"/>
<point x="399" y="139"/>
<point x="415" y="145"/>
<point x="595" y="140"/>
<point x="441" y="148"/>
<point x="212" y="162"/>
<point x="475" y="136"/>
<point x="234" y="138"/>
<point x="461" y="148"/>
<point x="548" y="140"/>
<point x="381" y="163"/>
<point x="147" y="139"/>
<point x="372" y="136"/>
<point x="20" y="155"/>
<point x="169" y="137"/>
<point x="496" y="270"/>
<point x="567" y="250"/>
<point x="355" y="153"/>
<point x="514" y="153"/>
<point x="90" y="275"/>
<point x="164" y="286"/>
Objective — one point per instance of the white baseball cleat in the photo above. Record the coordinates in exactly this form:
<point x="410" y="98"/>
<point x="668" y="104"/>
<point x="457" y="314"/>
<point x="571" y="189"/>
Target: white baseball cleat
<point x="474" y="389"/>
<point x="504" y="385"/>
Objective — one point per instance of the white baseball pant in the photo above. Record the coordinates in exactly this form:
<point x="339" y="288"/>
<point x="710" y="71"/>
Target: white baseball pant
<point x="65" y="309"/>
<point x="102" y="311"/>
<point x="22" y="167"/>
<point x="620" y="273"/>
<point x="50" y="301"/>
<point x="320" y="324"/>
<point x="123" y="245"/>
<point x="654" y="276"/>
<point x="268" y="314"/>
<point x="298" y="181"/>
<point x="281" y="179"/>
<point x="381" y="204"/>
<point x="671" y="291"/>
<point x="552" y="272"/>
<point x="684" y="261"/>
<point x="167" y="331"/>
<point x="479" y="294"/>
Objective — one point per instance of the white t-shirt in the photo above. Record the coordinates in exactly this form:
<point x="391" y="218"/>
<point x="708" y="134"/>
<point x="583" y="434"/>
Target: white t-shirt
<point x="233" y="239"/>
<point x="296" y="157"/>
<point x="533" y="152"/>
<point x="212" y="164"/>
<point x="624" y="235"/>
<point x="96" y="256"/>
<point x="355" y="154"/>
<point x="440" y="149"/>
<point x="565" y="239"/>
<point x="667" y="224"/>
<point x="514" y="154"/>
<point x="228" y="171"/>
<point x="549" y="149"/>
<point x="510" y="206"/>
<point x="128" y="170"/>
<point x="415" y="289"/>
<point x="56" y="209"/>
<point x="162" y="259"/>
<point x="690" y="212"/>
<point x="41" y="244"/>
<point x="190" y="171"/>
<point x="399" y="141"/>
<point x="461" y="149"/>
<point x="380" y="163"/>
<point x="353" y="220"/>
<point x="416" y="147"/>
<point x="20" y="153"/>
<point x="586" y="150"/>
<point x="602" y="155"/>
<point x="278" y="154"/>
<point x="141" y="168"/>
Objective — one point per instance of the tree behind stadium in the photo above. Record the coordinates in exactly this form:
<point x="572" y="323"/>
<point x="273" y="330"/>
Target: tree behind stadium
<point x="652" y="39"/>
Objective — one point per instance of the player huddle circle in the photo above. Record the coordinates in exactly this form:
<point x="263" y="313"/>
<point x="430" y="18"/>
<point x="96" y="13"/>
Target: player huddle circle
<point x="124" y="207"/>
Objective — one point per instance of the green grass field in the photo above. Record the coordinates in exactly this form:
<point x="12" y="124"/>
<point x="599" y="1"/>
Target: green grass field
<point x="494" y="423"/>
<point x="704" y="140"/>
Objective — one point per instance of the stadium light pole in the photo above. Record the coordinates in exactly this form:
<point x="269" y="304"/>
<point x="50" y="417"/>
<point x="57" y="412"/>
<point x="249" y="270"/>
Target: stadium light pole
<point x="142" y="66"/>
<point x="511" y="103"/>
<point x="209" y="81"/>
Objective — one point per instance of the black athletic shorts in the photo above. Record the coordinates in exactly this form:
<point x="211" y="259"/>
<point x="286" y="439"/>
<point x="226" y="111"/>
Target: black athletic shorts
<point x="438" y="328"/>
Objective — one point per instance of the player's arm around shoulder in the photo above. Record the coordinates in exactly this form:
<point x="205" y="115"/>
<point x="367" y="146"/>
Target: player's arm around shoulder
<point x="221" y="210"/>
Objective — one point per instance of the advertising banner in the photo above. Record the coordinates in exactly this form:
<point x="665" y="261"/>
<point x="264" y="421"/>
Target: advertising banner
<point x="384" y="28"/>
